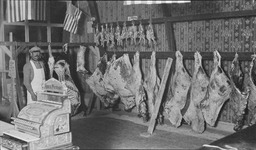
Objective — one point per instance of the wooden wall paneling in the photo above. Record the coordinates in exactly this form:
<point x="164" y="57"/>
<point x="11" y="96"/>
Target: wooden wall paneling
<point x="169" y="30"/>
<point x="119" y="11"/>
<point x="114" y="11"/>
<point x="198" y="17"/>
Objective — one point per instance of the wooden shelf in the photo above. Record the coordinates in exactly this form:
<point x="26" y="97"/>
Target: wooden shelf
<point x="209" y="16"/>
<point x="243" y="56"/>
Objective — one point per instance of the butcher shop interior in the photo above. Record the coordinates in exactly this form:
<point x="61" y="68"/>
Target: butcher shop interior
<point x="77" y="74"/>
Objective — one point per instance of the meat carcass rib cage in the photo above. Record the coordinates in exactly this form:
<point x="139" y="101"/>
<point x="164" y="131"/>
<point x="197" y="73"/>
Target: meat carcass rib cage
<point x="217" y="92"/>
<point x="180" y="84"/>
<point x="200" y="82"/>
<point x="95" y="82"/>
<point x="152" y="83"/>
<point x="250" y="83"/>
<point x="238" y="98"/>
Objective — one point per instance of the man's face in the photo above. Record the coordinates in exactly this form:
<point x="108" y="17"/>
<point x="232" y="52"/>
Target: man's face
<point x="35" y="55"/>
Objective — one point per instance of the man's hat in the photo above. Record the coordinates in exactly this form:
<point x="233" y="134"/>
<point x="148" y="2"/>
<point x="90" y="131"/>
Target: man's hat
<point x="35" y="49"/>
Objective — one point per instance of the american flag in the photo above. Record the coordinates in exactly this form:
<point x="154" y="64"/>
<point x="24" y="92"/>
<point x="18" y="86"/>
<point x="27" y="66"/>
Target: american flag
<point x="72" y="17"/>
<point x="156" y="2"/>
<point x="16" y="10"/>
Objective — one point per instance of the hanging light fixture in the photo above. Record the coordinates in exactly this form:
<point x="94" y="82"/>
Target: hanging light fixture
<point x="156" y="2"/>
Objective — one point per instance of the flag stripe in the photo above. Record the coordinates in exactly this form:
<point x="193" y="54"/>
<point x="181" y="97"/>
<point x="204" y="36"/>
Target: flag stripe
<point x="72" y="17"/>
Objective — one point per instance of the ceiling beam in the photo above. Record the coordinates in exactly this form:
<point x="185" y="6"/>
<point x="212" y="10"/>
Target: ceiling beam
<point x="169" y="30"/>
<point x="94" y="11"/>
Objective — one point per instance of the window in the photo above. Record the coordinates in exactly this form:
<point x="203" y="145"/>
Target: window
<point x="18" y="32"/>
<point x="37" y="34"/>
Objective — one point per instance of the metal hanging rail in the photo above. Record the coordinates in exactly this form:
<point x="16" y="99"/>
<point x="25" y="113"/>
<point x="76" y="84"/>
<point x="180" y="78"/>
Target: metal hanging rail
<point x="225" y="56"/>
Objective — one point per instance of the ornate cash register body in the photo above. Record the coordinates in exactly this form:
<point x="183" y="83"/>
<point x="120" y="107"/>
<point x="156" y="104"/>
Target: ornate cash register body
<point x="44" y="124"/>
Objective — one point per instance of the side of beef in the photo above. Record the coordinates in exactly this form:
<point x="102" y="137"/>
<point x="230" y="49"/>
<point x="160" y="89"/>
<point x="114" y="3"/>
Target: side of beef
<point x="200" y="82"/>
<point x="180" y="84"/>
<point x="238" y="98"/>
<point x="250" y="77"/>
<point x="218" y="92"/>
<point x="151" y="84"/>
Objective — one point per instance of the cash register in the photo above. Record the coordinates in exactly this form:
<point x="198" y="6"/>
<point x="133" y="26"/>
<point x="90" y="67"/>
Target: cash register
<point x="44" y="124"/>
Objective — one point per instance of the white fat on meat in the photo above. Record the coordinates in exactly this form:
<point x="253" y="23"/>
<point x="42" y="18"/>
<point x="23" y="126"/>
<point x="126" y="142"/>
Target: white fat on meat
<point x="152" y="84"/>
<point x="180" y="84"/>
<point x="238" y="98"/>
<point x="249" y="82"/>
<point x="218" y="92"/>
<point x="198" y="89"/>
<point x="80" y="59"/>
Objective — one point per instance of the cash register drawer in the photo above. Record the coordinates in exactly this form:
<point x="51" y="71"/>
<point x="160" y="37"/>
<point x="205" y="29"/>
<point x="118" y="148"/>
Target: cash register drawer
<point x="10" y="143"/>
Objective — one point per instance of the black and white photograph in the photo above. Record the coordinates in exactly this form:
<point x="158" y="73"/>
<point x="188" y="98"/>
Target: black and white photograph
<point x="88" y="74"/>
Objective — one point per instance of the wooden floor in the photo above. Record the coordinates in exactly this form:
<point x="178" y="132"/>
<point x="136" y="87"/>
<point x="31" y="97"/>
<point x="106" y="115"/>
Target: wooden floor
<point x="101" y="131"/>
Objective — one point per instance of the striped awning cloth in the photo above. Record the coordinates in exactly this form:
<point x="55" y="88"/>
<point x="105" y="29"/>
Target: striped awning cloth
<point x="156" y="2"/>
<point x="19" y="10"/>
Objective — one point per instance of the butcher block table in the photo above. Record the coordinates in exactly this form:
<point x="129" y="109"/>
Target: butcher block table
<point x="241" y="140"/>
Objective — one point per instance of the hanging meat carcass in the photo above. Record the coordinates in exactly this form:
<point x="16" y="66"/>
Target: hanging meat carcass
<point x="180" y="84"/>
<point x="107" y="95"/>
<point x="218" y="92"/>
<point x="238" y="98"/>
<point x="200" y="82"/>
<point x="127" y="82"/>
<point x="80" y="59"/>
<point x="135" y="85"/>
<point x="51" y="61"/>
<point x="151" y="85"/>
<point x="249" y="82"/>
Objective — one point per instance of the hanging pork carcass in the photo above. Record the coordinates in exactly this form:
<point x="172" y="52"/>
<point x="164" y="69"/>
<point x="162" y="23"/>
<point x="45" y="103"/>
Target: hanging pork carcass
<point x="198" y="89"/>
<point x="106" y="95"/>
<point x="126" y="80"/>
<point x="180" y="83"/>
<point x="151" y="85"/>
<point x="238" y="98"/>
<point x="218" y="91"/>
<point x="250" y="82"/>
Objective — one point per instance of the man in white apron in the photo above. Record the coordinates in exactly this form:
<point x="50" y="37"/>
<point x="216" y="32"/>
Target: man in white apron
<point x="34" y="74"/>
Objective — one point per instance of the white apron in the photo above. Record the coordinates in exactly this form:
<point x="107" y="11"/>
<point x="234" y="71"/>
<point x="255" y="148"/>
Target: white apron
<point x="37" y="81"/>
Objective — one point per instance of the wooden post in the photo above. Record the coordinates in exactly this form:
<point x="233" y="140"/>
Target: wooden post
<point x="12" y="74"/>
<point x="159" y="97"/>
<point x="20" y="96"/>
